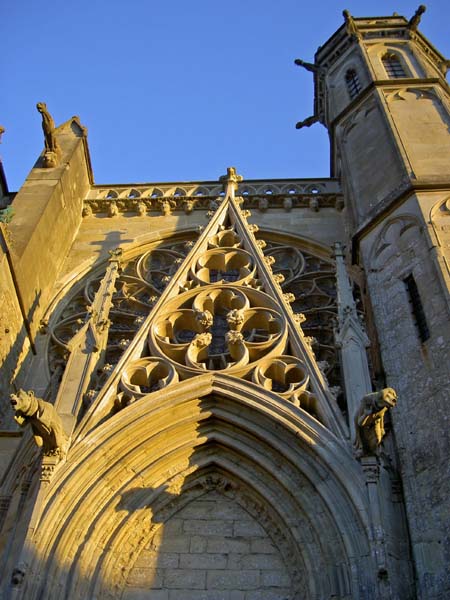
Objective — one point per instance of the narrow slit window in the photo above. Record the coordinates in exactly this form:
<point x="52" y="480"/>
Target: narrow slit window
<point x="352" y="81"/>
<point x="417" y="308"/>
<point x="393" y="67"/>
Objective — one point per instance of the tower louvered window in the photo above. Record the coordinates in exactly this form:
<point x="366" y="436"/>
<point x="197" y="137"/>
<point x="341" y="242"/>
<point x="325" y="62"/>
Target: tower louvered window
<point x="393" y="67"/>
<point x="353" y="84"/>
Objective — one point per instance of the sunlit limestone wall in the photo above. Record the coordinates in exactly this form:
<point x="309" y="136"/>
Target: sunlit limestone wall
<point x="417" y="108"/>
<point x="46" y="214"/>
<point x="420" y="372"/>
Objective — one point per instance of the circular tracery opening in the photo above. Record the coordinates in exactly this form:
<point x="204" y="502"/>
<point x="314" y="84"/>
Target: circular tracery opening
<point x="218" y="328"/>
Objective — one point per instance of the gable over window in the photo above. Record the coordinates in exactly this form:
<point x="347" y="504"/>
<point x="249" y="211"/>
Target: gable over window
<point x="353" y="84"/>
<point x="393" y="66"/>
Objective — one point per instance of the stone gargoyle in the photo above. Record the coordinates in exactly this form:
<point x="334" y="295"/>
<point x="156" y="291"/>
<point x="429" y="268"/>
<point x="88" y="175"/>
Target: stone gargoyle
<point x="52" y="149"/>
<point x="369" y="420"/>
<point x="45" y="422"/>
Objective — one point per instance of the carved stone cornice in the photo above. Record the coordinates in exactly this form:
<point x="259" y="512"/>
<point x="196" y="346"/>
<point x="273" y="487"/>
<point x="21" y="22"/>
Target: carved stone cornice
<point x="152" y="199"/>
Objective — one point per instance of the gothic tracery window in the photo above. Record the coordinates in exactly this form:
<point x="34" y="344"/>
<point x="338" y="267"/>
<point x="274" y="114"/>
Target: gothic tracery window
<point x="143" y="279"/>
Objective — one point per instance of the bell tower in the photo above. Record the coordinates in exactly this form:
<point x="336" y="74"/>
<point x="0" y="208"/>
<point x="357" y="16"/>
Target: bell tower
<point x="381" y="91"/>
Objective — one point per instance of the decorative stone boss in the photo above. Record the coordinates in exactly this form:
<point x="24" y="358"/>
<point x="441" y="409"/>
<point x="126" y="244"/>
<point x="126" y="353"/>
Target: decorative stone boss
<point x="45" y="422"/>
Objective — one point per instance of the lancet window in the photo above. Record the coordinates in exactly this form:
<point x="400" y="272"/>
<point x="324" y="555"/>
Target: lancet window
<point x="353" y="83"/>
<point x="393" y="66"/>
<point x="417" y="308"/>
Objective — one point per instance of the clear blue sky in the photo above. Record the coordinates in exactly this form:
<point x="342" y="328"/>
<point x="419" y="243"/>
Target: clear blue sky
<point x="176" y="90"/>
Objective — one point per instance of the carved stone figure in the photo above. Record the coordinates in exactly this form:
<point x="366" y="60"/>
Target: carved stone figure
<point x="204" y="318"/>
<point x="350" y="25"/>
<point x="44" y="420"/>
<point x="234" y="337"/>
<point x="188" y="206"/>
<point x="287" y="204"/>
<point x="314" y="204"/>
<point x="235" y="318"/>
<point x="202" y="340"/>
<point x="87" y="211"/>
<point x="369" y="420"/>
<point x="113" y="209"/>
<point x="263" y="204"/>
<point x="141" y="209"/>
<point x="166" y="207"/>
<point x="48" y="127"/>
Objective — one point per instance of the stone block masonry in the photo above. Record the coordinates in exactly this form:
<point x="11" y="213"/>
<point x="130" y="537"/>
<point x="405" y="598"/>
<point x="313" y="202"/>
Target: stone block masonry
<point x="212" y="549"/>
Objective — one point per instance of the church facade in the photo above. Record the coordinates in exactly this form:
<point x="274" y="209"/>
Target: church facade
<point x="237" y="389"/>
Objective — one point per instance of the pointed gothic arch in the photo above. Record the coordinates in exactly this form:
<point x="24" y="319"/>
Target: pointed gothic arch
<point x="159" y="448"/>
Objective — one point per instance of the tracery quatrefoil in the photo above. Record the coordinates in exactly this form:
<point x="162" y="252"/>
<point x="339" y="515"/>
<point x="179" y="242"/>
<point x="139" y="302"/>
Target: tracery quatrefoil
<point x="218" y="327"/>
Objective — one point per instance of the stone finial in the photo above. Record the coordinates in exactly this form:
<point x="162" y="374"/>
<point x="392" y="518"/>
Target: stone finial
<point x="415" y="19"/>
<point x="231" y="181"/>
<point x="369" y="420"/>
<point x="45" y="422"/>
<point x="52" y="150"/>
